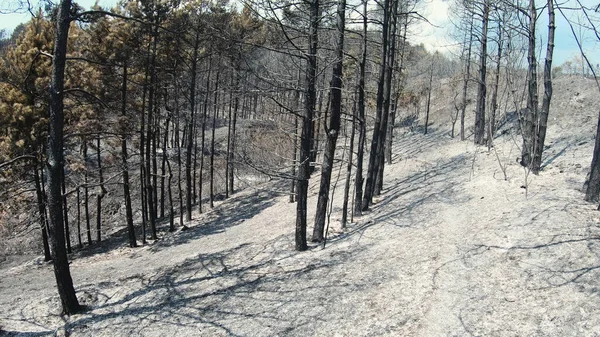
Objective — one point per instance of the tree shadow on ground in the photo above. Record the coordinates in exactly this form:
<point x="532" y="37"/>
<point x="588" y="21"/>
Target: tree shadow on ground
<point x="235" y="211"/>
<point x="250" y="287"/>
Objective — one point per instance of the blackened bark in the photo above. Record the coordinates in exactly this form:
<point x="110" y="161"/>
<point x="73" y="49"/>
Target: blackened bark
<point x="101" y="192"/>
<point x="334" y="127"/>
<point x="542" y="122"/>
<point x="466" y="80"/>
<point x="494" y="103"/>
<point x="42" y="210"/>
<point x="55" y="162"/>
<point x="204" y="118"/>
<point x="212" y="141"/>
<point x="65" y="211"/>
<point x="349" y="167"/>
<point x="86" y="193"/>
<point x="387" y="90"/>
<point x="361" y="125"/>
<point x="125" y="165"/>
<point x="372" y="168"/>
<point x="307" y="126"/>
<point x="151" y="209"/>
<point x="479" y="136"/>
<point x="429" y="93"/>
<point x="592" y="192"/>
<point x="531" y="113"/>
<point x="191" y="137"/>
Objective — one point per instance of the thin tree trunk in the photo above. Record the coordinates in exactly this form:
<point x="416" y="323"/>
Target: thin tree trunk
<point x="212" y="142"/>
<point x="79" y="243"/>
<point x="101" y="192"/>
<point x="429" y="93"/>
<point x="358" y="181"/>
<point x="42" y="210"/>
<point x="349" y="168"/>
<point x="86" y="193"/>
<point x="231" y="160"/>
<point x="149" y="136"/>
<point x="494" y="103"/>
<point x="479" y="136"/>
<point x="125" y="166"/>
<point x="191" y="138"/>
<point x="466" y="82"/>
<point x="65" y="212"/>
<point x="204" y="118"/>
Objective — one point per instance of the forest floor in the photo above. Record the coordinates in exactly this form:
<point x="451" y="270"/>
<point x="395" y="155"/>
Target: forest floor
<point x="461" y="242"/>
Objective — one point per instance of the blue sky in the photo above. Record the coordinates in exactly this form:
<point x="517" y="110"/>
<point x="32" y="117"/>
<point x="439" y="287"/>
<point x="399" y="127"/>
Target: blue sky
<point x="434" y="38"/>
<point x="437" y="36"/>
<point x="10" y="21"/>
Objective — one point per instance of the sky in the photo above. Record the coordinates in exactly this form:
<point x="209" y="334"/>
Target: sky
<point x="435" y="36"/>
<point x="11" y="20"/>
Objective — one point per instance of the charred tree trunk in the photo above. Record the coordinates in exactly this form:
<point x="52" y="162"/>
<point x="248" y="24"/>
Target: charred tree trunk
<point x="429" y="93"/>
<point x="531" y="113"/>
<point x="125" y="165"/>
<point x="494" y="102"/>
<point x="479" y="136"/>
<point x="349" y="167"/>
<point x="55" y="162"/>
<point x="191" y="138"/>
<point x="307" y="126"/>
<point x="86" y="193"/>
<point x="203" y="145"/>
<point x="151" y="207"/>
<point x="42" y="210"/>
<point x="361" y="125"/>
<point x="387" y="90"/>
<point x="466" y="80"/>
<point x="212" y="141"/>
<point x="66" y="212"/>
<point x="334" y="127"/>
<point x="542" y="122"/>
<point x="372" y="169"/>
<point x="101" y="192"/>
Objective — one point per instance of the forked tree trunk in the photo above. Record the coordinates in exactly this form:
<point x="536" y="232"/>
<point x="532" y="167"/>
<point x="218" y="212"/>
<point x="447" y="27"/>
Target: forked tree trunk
<point x="531" y="113"/>
<point x="334" y="127"/>
<point x="372" y="168"/>
<point x="307" y="126"/>
<point x="542" y="122"/>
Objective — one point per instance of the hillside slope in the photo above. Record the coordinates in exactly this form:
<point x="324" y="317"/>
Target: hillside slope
<point x="450" y="248"/>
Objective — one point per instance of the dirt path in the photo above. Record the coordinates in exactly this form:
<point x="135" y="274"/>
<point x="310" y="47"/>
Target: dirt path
<point x="447" y="250"/>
